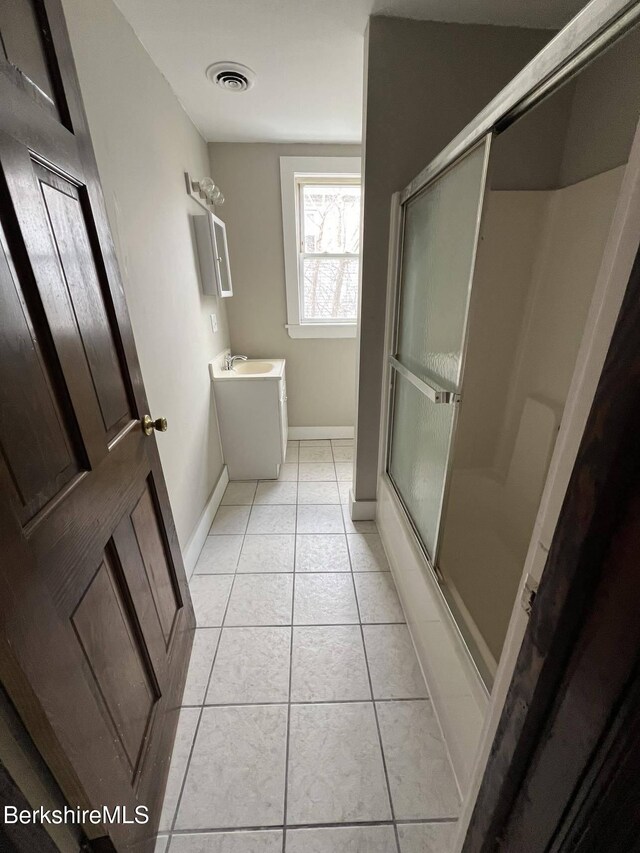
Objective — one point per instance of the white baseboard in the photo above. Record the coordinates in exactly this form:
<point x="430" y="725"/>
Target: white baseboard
<point x="459" y="698"/>
<point x="361" y="510"/>
<point x="191" y="553"/>
<point x="310" y="433"/>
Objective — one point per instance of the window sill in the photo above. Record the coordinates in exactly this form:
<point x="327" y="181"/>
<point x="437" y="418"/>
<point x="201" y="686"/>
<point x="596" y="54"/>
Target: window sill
<point x="322" y="330"/>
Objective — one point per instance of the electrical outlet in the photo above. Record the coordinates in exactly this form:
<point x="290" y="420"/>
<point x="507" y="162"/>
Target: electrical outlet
<point x="214" y="323"/>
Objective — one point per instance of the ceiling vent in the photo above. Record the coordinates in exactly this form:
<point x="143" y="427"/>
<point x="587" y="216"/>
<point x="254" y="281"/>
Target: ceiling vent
<point x="231" y="76"/>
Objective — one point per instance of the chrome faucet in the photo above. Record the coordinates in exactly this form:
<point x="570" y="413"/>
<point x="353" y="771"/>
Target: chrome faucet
<point x="230" y="360"/>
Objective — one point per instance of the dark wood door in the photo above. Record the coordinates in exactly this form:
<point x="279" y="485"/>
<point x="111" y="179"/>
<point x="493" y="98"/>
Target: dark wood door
<point x="563" y="775"/>
<point x="95" y="617"/>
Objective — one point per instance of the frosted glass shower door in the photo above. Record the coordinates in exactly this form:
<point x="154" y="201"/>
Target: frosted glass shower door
<point x="439" y="241"/>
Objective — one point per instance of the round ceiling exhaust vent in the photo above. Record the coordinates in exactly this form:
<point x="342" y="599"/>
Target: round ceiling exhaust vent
<point x="231" y="76"/>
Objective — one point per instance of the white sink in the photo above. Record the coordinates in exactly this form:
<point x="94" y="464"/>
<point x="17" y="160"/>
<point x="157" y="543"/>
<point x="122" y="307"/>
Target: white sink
<point x="246" y="368"/>
<point x="258" y="368"/>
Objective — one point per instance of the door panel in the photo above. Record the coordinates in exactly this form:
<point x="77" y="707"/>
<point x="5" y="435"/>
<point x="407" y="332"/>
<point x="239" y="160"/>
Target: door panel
<point x="33" y="249"/>
<point x="23" y="48"/>
<point x="96" y="621"/>
<point x="439" y="243"/>
<point x="419" y="451"/>
<point x="35" y="441"/>
<point x="439" y="248"/>
<point x="158" y="569"/>
<point x="66" y="220"/>
<point x="106" y="627"/>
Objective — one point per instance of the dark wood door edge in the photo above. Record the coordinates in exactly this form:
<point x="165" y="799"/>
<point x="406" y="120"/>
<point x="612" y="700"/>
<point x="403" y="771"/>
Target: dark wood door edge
<point x="607" y="464"/>
<point x="100" y="845"/>
<point x="589" y="718"/>
<point x="605" y="814"/>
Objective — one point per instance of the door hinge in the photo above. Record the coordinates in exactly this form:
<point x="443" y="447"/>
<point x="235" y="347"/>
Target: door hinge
<point x="529" y="592"/>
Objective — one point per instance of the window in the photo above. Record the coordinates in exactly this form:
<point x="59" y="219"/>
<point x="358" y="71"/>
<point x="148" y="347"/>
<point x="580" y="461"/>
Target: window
<point x="321" y="220"/>
<point x="329" y="226"/>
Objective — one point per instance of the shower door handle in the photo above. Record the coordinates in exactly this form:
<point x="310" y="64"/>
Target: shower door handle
<point x="431" y="391"/>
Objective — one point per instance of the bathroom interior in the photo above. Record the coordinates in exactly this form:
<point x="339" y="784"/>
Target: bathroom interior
<point x="498" y="263"/>
<point x="364" y="361"/>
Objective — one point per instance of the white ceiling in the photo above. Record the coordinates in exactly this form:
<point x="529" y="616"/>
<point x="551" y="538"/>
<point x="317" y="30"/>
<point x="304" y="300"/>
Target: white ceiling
<point x="307" y="54"/>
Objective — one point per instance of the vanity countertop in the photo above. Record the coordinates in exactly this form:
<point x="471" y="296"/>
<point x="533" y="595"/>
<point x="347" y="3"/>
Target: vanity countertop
<point x="253" y="368"/>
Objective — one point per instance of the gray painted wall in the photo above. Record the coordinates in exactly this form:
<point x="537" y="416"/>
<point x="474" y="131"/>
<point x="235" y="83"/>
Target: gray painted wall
<point x="528" y="155"/>
<point x="423" y="81"/>
<point x="582" y="130"/>
<point x="321" y="381"/>
<point x="144" y="142"/>
<point x="607" y="100"/>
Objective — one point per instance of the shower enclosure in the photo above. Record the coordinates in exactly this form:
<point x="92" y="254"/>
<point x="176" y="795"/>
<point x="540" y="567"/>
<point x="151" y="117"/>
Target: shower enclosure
<point x="440" y="237"/>
<point x="495" y="271"/>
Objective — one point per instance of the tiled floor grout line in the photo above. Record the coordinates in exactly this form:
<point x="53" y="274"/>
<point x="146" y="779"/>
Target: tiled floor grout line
<point x="186" y="769"/>
<point x="373" y="702"/>
<point x="203" y="706"/>
<point x="297" y="503"/>
<point x="278" y="827"/>
<point x="291" y="571"/>
<point x="287" y="743"/>
<point x="304" y="701"/>
<point x="306" y="624"/>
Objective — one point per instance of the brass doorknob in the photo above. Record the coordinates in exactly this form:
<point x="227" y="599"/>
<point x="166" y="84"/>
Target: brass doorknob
<point x="148" y="424"/>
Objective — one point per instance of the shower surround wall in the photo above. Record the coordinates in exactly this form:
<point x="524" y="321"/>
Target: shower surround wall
<point x="535" y="275"/>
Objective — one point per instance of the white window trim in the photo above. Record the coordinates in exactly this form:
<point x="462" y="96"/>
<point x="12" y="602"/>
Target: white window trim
<point x="290" y="168"/>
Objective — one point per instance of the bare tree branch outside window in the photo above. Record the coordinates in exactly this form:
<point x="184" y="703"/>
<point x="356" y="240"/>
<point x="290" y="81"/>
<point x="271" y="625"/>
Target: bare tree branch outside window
<point x="330" y="259"/>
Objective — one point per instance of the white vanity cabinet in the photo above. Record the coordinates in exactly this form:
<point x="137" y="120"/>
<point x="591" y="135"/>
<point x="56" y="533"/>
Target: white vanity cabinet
<point x="252" y="415"/>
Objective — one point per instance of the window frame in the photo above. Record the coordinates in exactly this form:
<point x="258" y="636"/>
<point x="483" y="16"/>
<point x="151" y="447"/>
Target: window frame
<point x="294" y="172"/>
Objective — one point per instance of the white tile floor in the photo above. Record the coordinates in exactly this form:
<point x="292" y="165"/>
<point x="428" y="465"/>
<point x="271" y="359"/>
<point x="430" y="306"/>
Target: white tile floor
<point x="306" y="724"/>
